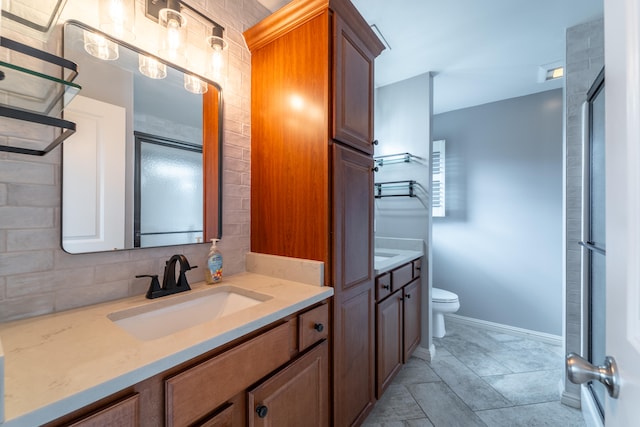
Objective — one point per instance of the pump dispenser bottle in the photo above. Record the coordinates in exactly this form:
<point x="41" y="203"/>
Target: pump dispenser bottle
<point x="213" y="272"/>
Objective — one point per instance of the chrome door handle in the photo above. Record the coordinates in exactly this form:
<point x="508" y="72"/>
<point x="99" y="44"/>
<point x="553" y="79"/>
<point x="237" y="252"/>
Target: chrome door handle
<point x="580" y="371"/>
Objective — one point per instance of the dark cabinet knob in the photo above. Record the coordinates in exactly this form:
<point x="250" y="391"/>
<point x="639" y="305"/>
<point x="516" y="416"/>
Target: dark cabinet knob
<point x="385" y="287"/>
<point x="262" y="411"/>
<point x="374" y="169"/>
<point x="375" y="142"/>
<point x="318" y="327"/>
<point x="408" y="296"/>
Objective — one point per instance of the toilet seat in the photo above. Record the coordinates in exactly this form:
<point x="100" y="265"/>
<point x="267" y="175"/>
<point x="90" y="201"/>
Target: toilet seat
<point x="441" y="295"/>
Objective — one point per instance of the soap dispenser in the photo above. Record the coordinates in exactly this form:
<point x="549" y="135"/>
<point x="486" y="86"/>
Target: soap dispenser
<point x="213" y="272"/>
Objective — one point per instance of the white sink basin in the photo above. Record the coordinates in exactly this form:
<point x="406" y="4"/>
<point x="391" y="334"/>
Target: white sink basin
<point x="177" y="312"/>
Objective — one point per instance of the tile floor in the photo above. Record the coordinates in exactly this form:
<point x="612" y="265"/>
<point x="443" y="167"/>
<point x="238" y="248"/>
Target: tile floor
<point x="478" y="378"/>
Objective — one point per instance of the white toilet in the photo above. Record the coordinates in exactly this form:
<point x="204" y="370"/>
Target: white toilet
<point x="442" y="302"/>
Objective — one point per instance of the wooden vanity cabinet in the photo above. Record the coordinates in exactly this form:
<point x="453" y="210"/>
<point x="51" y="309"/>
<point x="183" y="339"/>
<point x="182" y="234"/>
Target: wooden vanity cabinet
<point x="311" y="170"/>
<point x="397" y="323"/>
<point x="284" y="366"/>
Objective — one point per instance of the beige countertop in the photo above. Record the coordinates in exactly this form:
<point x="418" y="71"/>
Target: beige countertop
<point x="386" y="259"/>
<point x="57" y="363"/>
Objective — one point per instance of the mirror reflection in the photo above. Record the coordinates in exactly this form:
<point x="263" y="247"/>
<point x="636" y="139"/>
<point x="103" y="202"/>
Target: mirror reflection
<point x="132" y="174"/>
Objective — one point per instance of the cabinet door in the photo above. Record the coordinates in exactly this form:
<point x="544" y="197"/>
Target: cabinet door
<point x="352" y="277"/>
<point x="296" y="396"/>
<point x="353" y="89"/>
<point x="389" y="347"/>
<point x="411" y="318"/>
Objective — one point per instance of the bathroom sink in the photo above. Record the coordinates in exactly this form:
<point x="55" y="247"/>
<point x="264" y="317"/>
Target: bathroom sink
<point x="382" y="256"/>
<point x="167" y="316"/>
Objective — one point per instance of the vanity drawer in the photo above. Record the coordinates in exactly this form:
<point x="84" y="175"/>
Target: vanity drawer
<point x="383" y="286"/>
<point x="417" y="267"/>
<point x="313" y="326"/>
<point x="197" y="391"/>
<point x="401" y="276"/>
<point x="123" y="413"/>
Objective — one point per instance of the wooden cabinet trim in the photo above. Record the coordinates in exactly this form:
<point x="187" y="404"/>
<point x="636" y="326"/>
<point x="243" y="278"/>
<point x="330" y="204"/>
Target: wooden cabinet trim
<point x="401" y="276"/>
<point x="125" y="413"/>
<point x="383" y="286"/>
<point x="287" y="18"/>
<point x="313" y="326"/>
<point x="192" y="394"/>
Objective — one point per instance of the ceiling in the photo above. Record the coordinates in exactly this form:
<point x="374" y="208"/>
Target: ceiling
<point x="479" y="51"/>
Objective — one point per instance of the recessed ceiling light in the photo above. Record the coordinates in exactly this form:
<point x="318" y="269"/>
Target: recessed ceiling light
<point x="555" y="73"/>
<point x="550" y="71"/>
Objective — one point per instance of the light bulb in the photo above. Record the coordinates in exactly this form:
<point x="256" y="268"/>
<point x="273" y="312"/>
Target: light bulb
<point x="195" y="85"/>
<point x="151" y="67"/>
<point x="100" y="47"/>
<point x="117" y="17"/>
<point x="174" y="24"/>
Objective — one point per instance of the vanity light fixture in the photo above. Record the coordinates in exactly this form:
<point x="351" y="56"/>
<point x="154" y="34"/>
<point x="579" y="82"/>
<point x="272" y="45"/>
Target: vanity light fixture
<point x="216" y="43"/>
<point x="151" y="67"/>
<point x="100" y="47"/>
<point x="195" y="85"/>
<point x="117" y="18"/>
<point x="172" y="15"/>
<point x="173" y="27"/>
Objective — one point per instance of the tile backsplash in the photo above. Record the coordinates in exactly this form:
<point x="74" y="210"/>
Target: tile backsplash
<point x="36" y="275"/>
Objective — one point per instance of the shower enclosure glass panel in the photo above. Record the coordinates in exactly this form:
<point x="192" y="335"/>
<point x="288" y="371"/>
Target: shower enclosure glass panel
<point x="594" y="234"/>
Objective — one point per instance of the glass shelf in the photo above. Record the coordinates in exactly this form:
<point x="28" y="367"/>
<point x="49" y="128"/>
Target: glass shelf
<point x="31" y="96"/>
<point x="33" y="18"/>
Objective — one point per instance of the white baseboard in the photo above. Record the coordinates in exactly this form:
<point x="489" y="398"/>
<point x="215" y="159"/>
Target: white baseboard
<point x="590" y="411"/>
<point x="570" y="399"/>
<point x="498" y="327"/>
<point x="425" y="353"/>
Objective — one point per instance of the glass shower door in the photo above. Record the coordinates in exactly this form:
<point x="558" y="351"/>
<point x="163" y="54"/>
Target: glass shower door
<point x="594" y="270"/>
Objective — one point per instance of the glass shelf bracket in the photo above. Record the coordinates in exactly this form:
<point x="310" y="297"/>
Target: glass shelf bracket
<point x="30" y="93"/>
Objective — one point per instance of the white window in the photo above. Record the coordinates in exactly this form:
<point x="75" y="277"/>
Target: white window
<point x="438" y="183"/>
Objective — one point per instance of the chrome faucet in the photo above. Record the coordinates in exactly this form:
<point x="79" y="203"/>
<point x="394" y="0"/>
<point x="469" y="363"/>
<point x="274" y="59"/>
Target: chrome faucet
<point x="169" y="283"/>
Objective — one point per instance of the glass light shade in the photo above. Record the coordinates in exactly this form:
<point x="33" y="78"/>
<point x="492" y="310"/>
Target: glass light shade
<point x="194" y="85"/>
<point x="98" y="46"/>
<point x="217" y="45"/>
<point x="117" y="18"/>
<point x="174" y="25"/>
<point x="151" y="67"/>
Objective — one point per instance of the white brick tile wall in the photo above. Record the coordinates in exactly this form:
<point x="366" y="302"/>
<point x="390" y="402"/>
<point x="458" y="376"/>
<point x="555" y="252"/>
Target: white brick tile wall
<point x="37" y="277"/>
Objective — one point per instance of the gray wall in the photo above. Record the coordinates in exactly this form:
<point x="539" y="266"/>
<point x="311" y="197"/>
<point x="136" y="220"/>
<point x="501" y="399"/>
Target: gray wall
<point x="500" y="245"/>
<point x="585" y="59"/>
<point x="403" y="124"/>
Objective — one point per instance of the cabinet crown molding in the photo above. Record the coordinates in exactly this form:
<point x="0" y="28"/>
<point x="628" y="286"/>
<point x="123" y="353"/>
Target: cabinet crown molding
<point x="298" y="12"/>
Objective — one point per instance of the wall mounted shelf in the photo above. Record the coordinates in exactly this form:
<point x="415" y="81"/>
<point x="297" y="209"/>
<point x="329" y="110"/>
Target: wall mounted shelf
<point x="395" y="189"/>
<point x="394" y="158"/>
<point x="33" y="18"/>
<point x="31" y="93"/>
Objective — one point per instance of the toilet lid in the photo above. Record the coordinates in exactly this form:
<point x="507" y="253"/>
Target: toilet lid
<point x="440" y="295"/>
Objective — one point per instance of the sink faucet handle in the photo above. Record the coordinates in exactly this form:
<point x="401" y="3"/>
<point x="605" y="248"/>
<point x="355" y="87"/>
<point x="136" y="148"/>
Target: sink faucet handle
<point x="154" y="287"/>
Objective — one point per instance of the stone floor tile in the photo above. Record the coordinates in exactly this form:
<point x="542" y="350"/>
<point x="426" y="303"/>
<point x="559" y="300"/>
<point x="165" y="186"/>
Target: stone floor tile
<point x="443" y="407"/>
<point x="543" y="414"/>
<point x="529" y="387"/>
<point x="416" y="371"/>
<point x="396" y="404"/>
<point x="472" y="389"/>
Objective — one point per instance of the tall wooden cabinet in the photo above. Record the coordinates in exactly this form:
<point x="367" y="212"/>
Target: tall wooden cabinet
<point x="311" y="170"/>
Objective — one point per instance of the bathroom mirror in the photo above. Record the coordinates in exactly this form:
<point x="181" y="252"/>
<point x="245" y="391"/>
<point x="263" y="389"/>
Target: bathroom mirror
<point x="143" y="168"/>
